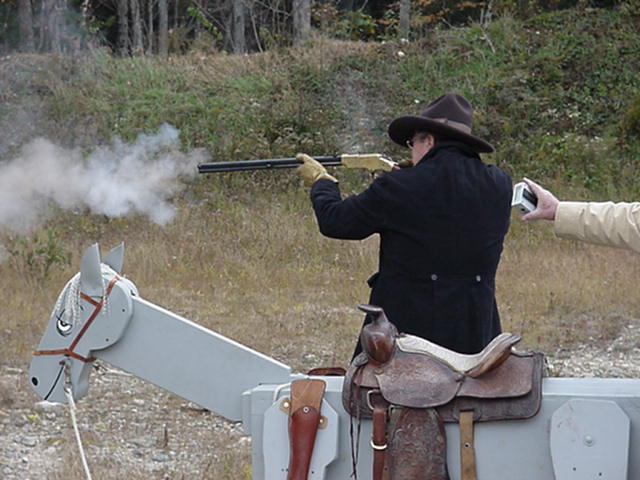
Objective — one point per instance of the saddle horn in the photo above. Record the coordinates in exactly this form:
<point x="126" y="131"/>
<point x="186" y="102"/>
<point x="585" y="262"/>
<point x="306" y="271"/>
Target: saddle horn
<point x="378" y="338"/>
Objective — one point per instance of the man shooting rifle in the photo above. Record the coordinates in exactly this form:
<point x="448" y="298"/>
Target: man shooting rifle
<point x="441" y="225"/>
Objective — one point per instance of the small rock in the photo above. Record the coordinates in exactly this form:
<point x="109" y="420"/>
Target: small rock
<point x="138" y="401"/>
<point x="160" y="457"/>
<point x="29" y="441"/>
<point x="20" y="421"/>
<point x="48" y="407"/>
<point x="24" y="460"/>
<point x="145" y="442"/>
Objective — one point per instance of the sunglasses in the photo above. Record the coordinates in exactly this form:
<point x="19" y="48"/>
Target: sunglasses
<point x="418" y="137"/>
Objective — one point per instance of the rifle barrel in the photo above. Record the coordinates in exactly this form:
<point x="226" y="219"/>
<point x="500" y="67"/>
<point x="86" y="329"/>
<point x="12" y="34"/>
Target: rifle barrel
<point x="264" y="164"/>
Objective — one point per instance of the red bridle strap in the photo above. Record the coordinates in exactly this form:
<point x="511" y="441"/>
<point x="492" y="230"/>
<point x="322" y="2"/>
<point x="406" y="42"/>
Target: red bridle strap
<point x="98" y="306"/>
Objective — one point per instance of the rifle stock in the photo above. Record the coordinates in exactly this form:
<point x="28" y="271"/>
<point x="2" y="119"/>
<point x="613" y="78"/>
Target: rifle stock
<point x="370" y="161"/>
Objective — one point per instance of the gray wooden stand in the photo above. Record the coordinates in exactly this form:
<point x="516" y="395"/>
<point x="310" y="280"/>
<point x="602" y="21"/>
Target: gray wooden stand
<point x="587" y="429"/>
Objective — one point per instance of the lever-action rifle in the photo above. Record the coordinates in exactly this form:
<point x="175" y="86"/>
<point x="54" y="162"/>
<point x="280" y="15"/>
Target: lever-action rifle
<point x="373" y="162"/>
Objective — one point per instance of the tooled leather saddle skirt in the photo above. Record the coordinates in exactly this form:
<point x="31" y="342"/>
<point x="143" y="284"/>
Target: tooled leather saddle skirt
<point x="410" y="386"/>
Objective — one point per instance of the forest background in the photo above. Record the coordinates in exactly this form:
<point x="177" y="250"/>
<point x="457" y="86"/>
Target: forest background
<point x="556" y="90"/>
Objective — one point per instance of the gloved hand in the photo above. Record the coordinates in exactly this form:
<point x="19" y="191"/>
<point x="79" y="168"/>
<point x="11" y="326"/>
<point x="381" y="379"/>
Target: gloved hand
<point x="406" y="163"/>
<point x="311" y="170"/>
<point x="402" y="164"/>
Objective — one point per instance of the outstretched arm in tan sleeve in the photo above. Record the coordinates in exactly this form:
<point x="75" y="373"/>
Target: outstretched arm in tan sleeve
<point x="607" y="223"/>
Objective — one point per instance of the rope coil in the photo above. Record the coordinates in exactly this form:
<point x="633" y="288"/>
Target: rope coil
<point x="69" y="298"/>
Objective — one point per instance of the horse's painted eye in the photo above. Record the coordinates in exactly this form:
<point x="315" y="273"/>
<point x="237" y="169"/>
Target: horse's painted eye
<point x="63" y="327"/>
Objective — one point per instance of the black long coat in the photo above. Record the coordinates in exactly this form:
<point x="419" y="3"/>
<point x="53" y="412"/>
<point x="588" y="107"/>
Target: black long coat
<point x="441" y="225"/>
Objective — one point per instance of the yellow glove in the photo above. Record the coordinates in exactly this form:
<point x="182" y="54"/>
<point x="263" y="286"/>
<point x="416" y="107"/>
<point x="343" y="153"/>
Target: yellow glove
<point x="311" y="170"/>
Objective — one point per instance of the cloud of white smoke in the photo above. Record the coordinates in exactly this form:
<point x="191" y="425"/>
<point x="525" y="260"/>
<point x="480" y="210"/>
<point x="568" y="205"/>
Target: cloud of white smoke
<point x="113" y="180"/>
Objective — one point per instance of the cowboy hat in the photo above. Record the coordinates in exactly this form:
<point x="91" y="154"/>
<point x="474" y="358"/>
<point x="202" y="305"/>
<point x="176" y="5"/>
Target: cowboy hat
<point x="449" y="115"/>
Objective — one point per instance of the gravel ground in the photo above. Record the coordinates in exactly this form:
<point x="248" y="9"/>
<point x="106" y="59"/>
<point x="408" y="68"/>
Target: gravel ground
<point x="132" y="428"/>
<point x="129" y="427"/>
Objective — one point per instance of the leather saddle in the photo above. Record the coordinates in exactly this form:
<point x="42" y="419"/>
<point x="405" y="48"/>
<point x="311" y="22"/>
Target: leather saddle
<point x="410" y="387"/>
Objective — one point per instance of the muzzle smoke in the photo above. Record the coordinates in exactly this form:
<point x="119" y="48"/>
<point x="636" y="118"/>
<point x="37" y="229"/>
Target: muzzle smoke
<point x="113" y="180"/>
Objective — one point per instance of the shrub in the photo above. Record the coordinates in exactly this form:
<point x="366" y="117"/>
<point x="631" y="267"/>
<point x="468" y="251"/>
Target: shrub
<point x="36" y="254"/>
<point x="630" y="122"/>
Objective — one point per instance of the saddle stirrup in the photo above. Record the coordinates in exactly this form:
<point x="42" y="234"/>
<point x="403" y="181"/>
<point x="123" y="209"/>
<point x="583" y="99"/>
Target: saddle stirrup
<point x="379" y="407"/>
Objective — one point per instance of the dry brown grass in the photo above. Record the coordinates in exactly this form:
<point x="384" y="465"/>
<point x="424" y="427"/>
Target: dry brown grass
<point x="560" y="293"/>
<point x="255" y="268"/>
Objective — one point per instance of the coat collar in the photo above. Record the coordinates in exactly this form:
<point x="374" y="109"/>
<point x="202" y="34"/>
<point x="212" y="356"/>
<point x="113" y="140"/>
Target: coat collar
<point x="449" y="145"/>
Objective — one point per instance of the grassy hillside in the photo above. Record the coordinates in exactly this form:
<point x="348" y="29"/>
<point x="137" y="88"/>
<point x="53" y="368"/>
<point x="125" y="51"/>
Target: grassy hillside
<point x="550" y="92"/>
<point x="559" y="96"/>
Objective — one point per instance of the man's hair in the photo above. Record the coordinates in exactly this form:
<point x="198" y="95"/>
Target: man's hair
<point x="436" y="137"/>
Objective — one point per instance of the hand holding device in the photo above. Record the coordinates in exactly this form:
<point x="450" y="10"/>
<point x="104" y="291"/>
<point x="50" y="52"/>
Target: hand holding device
<point x="523" y="198"/>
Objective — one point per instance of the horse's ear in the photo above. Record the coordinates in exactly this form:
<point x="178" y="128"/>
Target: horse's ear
<point x="90" y="272"/>
<point x="115" y="258"/>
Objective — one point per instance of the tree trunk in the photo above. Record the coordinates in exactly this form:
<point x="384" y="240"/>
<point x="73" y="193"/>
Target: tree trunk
<point x="227" y="26"/>
<point x="175" y="13"/>
<point x="163" y="27"/>
<point x="252" y="19"/>
<point x="123" y="27"/>
<point x="88" y="39"/>
<point x="150" y="37"/>
<point x="405" y="16"/>
<point x="239" y="42"/>
<point x="136" y="24"/>
<point x="301" y="20"/>
<point x="51" y="25"/>
<point x="25" y="16"/>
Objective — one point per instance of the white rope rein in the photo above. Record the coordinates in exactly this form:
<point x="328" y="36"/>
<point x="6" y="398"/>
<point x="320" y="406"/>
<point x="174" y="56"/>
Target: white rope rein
<point x="69" y="298"/>
<point x="74" y="421"/>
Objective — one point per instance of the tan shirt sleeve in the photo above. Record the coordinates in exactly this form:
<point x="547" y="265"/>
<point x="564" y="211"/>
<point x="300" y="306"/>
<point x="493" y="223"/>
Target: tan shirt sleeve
<point x="607" y="223"/>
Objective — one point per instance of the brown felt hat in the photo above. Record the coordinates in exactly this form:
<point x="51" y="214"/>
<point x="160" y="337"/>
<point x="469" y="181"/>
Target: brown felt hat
<point x="449" y="115"/>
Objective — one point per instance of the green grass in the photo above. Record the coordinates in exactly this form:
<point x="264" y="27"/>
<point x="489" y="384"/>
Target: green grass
<point x="570" y="72"/>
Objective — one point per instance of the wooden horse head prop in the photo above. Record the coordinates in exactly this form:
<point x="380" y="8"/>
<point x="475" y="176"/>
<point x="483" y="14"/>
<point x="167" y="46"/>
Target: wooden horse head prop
<point x="91" y="313"/>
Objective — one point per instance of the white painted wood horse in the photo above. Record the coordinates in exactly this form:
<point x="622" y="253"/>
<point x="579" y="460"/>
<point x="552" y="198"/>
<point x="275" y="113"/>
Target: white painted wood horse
<point x="89" y="321"/>
<point x="586" y="428"/>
